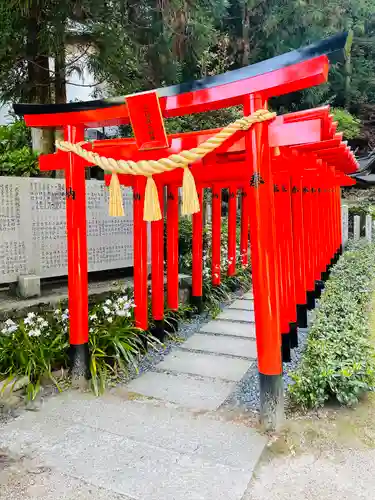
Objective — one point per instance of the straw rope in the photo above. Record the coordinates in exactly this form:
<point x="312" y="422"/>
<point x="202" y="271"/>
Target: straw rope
<point x="190" y="204"/>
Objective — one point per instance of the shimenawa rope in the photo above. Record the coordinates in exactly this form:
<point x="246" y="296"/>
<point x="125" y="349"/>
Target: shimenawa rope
<point x="190" y="202"/>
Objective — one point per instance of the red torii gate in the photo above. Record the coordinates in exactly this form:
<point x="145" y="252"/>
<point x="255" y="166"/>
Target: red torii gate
<point x="282" y="194"/>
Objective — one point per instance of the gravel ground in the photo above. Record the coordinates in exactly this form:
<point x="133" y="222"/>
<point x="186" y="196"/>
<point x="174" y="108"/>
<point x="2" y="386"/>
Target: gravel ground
<point x="155" y="356"/>
<point x="246" y="395"/>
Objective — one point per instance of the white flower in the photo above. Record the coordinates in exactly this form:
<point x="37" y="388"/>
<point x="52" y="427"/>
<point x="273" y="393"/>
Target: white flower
<point x="110" y="320"/>
<point x="106" y="310"/>
<point x="57" y="312"/>
<point x="31" y="315"/>
<point x="64" y="317"/>
<point x="108" y="302"/>
<point x="93" y="317"/>
<point x="10" y="327"/>
<point x="120" y="312"/>
<point x="40" y="320"/>
<point x="91" y="330"/>
<point x="44" y="324"/>
<point x="34" y="333"/>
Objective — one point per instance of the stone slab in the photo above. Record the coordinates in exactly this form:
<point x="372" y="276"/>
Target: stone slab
<point x="237" y="315"/>
<point x="244" y="348"/>
<point x="243" y="304"/>
<point x="183" y="390"/>
<point x="248" y="295"/>
<point x="136" y="469"/>
<point x="227" y="328"/>
<point x="205" y="365"/>
<point x="158" y="425"/>
<point x="22" y="483"/>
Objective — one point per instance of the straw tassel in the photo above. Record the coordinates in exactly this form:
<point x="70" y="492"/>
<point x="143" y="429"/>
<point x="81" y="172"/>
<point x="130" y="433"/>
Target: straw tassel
<point x="276" y="151"/>
<point x="190" y="201"/>
<point x="116" y="207"/>
<point x="151" y="209"/>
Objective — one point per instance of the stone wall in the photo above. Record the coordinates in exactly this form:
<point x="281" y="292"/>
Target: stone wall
<point x="33" y="229"/>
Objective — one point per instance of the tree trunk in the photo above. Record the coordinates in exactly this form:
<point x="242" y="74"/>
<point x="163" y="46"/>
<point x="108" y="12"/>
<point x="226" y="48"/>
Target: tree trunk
<point x="245" y="35"/>
<point x="60" y="82"/>
<point x="39" y="89"/>
<point x="60" y="74"/>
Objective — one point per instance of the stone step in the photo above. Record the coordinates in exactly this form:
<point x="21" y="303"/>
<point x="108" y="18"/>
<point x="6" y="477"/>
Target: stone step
<point x="237" y="315"/>
<point x="205" y="365"/>
<point x="236" y="329"/>
<point x="160" y="426"/>
<point x="221" y="344"/>
<point x="184" y="390"/>
<point x="248" y="296"/>
<point x="245" y="305"/>
<point x="137" y="449"/>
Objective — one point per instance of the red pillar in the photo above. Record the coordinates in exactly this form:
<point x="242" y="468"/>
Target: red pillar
<point x="298" y="241"/>
<point x="308" y="212"/>
<point x="216" y="235"/>
<point x="140" y="255"/>
<point x="172" y="247"/>
<point x="264" y="268"/>
<point x="197" y="264"/>
<point x="77" y="256"/>
<point x="157" y="270"/>
<point x="244" y="242"/>
<point x="281" y="257"/>
<point x="232" y="225"/>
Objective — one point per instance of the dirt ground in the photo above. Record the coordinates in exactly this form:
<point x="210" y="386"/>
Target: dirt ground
<point x="325" y="455"/>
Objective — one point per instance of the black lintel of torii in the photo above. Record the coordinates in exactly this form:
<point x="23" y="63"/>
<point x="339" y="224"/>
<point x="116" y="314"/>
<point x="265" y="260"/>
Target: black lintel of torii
<point x="335" y="48"/>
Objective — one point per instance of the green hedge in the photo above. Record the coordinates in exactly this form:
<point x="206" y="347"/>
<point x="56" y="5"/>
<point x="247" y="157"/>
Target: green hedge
<point x="363" y="208"/>
<point x="338" y="361"/>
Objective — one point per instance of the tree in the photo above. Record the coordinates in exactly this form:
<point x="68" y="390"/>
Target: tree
<point x="162" y="43"/>
<point x="16" y="155"/>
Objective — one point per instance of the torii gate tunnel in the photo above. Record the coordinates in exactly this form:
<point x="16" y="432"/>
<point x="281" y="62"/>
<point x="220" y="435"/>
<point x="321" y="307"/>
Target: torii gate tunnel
<point x="287" y="169"/>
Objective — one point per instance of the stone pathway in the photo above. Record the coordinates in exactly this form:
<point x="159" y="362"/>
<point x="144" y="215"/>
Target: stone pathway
<point x="202" y="372"/>
<point x="170" y="445"/>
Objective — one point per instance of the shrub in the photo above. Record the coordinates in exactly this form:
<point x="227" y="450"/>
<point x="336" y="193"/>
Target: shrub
<point x="16" y="155"/>
<point x="363" y="209"/>
<point x="33" y="349"/>
<point x="38" y="345"/>
<point x="348" y="124"/>
<point x="338" y="361"/>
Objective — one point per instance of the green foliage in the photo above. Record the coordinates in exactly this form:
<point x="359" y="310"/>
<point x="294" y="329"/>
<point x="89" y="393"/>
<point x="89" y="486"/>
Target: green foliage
<point x="363" y="209"/>
<point x="33" y="349"/>
<point x="348" y="124"/>
<point x="339" y="360"/>
<point x="16" y="155"/>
